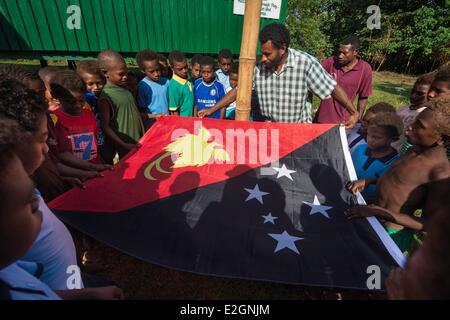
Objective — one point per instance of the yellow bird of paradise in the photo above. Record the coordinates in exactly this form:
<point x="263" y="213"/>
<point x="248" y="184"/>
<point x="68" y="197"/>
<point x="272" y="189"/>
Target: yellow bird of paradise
<point x="191" y="150"/>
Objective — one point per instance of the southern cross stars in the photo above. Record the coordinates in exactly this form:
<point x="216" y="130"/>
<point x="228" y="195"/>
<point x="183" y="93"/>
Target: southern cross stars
<point x="285" y="240"/>
<point x="316" y="207"/>
<point x="284" y="172"/>
<point x="269" y="218"/>
<point x="255" y="193"/>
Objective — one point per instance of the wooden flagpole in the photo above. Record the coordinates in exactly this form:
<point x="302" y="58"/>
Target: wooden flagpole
<point x="247" y="58"/>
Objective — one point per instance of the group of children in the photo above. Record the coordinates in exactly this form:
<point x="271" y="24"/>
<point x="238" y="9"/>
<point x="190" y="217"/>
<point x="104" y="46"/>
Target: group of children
<point x="64" y="127"/>
<point x="401" y="158"/>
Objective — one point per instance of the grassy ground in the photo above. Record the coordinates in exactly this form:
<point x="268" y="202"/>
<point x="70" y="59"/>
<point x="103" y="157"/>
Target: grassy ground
<point x="390" y="87"/>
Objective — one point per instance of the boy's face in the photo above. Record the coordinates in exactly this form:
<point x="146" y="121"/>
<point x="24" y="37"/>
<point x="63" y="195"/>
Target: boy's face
<point x="32" y="152"/>
<point x="180" y="69"/>
<point x="439" y="89"/>
<point x="20" y="218"/>
<point x="207" y="73"/>
<point x="152" y="70"/>
<point x="234" y="80"/>
<point x="118" y="74"/>
<point x="423" y="131"/>
<point x="94" y="83"/>
<point x="225" y="64"/>
<point x="196" y="71"/>
<point x="419" y="94"/>
<point x="346" y="54"/>
<point x="377" y="138"/>
<point x="73" y="104"/>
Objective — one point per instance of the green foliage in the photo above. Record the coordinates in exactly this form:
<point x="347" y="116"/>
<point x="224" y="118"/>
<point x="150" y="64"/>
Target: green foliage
<point x="305" y="20"/>
<point x="414" y="35"/>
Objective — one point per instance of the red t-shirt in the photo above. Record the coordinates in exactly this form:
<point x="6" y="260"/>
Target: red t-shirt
<point x="355" y="82"/>
<point x="77" y="135"/>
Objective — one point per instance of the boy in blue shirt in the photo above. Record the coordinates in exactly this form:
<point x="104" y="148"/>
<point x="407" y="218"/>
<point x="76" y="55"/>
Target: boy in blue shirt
<point x="373" y="159"/>
<point x="223" y="74"/>
<point x="153" y="90"/>
<point x="207" y="90"/>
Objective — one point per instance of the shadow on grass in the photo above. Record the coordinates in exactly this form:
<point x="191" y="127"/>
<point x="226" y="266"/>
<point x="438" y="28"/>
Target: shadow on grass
<point x="401" y="91"/>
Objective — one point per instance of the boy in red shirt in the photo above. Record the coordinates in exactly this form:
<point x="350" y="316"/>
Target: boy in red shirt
<point x="75" y="127"/>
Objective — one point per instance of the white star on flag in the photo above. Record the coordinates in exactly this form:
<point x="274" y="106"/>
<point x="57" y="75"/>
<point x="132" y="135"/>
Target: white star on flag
<point x="255" y="193"/>
<point x="285" y="240"/>
<point x="284" y="172"/>
<point x="316" y="207"/>
<point x="269" y="218"/>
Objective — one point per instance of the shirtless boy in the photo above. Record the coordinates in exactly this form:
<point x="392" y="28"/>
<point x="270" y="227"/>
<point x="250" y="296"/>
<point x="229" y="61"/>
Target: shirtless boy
<point x="412" y="182"/>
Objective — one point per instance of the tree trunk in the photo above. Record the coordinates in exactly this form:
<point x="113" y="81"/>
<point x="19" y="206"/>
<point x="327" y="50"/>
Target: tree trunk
<point x="247" y="58"/>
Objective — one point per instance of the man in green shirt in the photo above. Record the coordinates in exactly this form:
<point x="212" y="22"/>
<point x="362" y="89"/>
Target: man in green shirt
<point x="181" y="91"/>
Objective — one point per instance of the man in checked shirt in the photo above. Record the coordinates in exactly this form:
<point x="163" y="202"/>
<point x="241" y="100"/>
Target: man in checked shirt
<point x="283" y="80"/>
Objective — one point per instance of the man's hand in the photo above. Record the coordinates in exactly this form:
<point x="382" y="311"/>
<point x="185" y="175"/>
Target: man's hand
<point x="205" y="113"/>
<point x="356" y="186"/>
<point x="107" y="293"/>
<point x="352" y="120"/>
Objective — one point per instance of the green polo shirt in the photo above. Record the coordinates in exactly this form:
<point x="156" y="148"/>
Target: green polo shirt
<point x="181" y="96"/>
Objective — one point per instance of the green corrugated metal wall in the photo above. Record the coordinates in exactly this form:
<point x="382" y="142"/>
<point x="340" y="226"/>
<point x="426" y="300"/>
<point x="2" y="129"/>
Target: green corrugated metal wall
<point x="37" y="28"/>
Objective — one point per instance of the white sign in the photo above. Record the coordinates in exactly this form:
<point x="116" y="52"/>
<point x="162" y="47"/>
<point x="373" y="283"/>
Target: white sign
<point x="270" y="8"/>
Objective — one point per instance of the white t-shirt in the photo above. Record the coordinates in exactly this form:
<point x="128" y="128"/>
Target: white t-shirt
<point x="54" y="249"/>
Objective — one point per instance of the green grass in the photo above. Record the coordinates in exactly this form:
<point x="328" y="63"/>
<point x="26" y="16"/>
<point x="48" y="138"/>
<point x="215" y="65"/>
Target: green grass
<point x="390" y="87"/>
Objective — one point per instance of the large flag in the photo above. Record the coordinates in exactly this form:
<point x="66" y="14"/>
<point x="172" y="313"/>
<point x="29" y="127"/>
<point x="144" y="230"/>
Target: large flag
<point x="258" y="201"/>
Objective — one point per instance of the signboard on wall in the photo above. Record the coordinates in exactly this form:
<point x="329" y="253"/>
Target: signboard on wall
<point x="270" y="8"/>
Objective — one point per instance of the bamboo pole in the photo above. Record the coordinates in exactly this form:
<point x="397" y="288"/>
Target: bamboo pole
<point x="247" y="58"/>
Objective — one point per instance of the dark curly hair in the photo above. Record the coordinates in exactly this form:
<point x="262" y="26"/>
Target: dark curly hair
<point x="10" y="137"/>
<point x="17" y="72"/>
<point x="64" y="82"/>
<point x="441" y="110"/>
<point x="425" y="79"/>
<point x="21" y="104"/>
<point x="443" y="74"/>
<point x="391" y="122"/>
<point x="276" y="32"/>
<point x="207" y="61"/>
<point x="145" y="55"/>
<point x="196" y="59"/>
<point x="225" y="54"/>
<point x="351" y="40"/>
<point x="382" y="107"/>
<point x="176" y="56"/>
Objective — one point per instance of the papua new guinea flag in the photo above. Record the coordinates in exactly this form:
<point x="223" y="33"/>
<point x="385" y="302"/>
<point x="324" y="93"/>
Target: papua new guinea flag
<point x="237" y="199"/>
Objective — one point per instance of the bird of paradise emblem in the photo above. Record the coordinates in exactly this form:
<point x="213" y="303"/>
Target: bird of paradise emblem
<point x="190" y="150"/>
